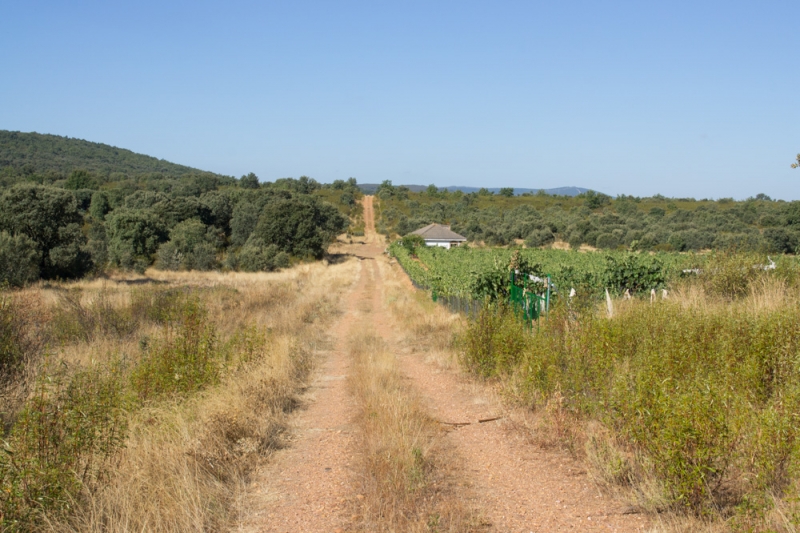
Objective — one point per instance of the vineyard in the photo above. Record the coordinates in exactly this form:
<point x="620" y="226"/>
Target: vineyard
<point x="478" y="273"/>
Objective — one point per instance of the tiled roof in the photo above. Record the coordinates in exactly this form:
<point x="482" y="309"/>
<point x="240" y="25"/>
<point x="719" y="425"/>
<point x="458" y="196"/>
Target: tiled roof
<point x="438" y="232"/>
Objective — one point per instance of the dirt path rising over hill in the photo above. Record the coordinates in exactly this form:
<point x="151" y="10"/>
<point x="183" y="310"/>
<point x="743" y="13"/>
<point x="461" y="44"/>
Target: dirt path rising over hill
<point x="369" y="217"/>
<point x="312" y="485"/>
<point x="308" y="486"/>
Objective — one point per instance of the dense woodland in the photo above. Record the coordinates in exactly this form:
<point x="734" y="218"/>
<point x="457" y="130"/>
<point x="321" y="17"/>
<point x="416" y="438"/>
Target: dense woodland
<point x="69" y="208"/>
<point x="594" y="219"/>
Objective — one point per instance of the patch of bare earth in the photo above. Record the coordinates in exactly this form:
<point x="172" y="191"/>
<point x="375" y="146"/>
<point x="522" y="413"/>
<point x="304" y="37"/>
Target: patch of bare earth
<point x="519" y="486"/>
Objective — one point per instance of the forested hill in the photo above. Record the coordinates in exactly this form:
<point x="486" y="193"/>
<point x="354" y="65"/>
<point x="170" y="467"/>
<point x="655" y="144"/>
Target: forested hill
<point x="69" y="208"/>
<point x="49" y="158"/>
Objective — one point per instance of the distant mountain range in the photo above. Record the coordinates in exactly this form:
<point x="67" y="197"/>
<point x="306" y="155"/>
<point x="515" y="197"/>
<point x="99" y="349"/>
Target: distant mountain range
<point x="370" y="188"/>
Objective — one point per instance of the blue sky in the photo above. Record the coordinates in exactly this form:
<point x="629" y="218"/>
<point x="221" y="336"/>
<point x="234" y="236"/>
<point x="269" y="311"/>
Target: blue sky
<point x="681" y="98"/>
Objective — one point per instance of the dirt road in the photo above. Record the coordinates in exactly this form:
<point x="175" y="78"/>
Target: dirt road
<point x="311" y="486"/>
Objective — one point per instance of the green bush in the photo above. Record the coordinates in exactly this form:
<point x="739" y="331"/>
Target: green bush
<point x="133" y="238"/>
<point x="634" y="272"/>
<point x="411" y="242"/>
<point x="299" y="226"/>
<point x="19" y="260"/>
<point x="61" y="447"/>
<point x="494" y="342"/>
<point x="729" y="274"/>
<point x="184" y="360"/>
<point x="539" y="238"/>
<point x="192" y="246"/>
<point x="256" y="256"/>
<point x="50" y="218"/>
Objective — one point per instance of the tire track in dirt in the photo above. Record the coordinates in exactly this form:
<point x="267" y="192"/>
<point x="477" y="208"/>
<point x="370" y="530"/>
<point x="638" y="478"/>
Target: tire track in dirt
<point x="517" y="486"/>
<point x="308" y="486"/>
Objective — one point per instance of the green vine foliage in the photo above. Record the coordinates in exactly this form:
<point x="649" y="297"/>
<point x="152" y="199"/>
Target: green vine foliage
<point x="634" y="272"/>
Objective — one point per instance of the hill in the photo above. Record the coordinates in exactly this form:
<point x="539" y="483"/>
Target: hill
<point x="52" y="157"/>
<point x="371" y="188"/>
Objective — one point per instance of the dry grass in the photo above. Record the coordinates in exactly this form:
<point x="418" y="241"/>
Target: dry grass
<point x="185" y="462"/>
<point x="408" y="478"/>
<point x="428" y="327"/>
<point x="615" y="468"/>
<point x="405" y="481"/>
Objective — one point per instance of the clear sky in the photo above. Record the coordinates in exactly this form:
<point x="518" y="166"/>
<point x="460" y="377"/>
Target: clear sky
<point x="683" y="98"/>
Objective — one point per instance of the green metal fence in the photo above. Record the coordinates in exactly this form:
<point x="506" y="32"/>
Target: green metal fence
<point x="524" y="298"/>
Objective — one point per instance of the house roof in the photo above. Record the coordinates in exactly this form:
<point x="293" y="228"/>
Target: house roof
<point x="438" y="232"/>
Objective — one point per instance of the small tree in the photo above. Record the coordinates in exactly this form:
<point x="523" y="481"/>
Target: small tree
<point x="133" y="237"/>
<point x="411" y="241"/>
<point x="249" y="182"/>
<point x="50" y="218"/>
<point x="19" y="259"/>
<point x="508" y="192"/>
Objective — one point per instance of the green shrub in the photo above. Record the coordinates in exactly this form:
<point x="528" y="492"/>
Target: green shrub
<point x="19" y="260"/>
<point x="256" y="256"/>
<point x="192" y="246"/>
<point x="634" y="272"/>
<point x="50" y="218"/>
<point x="494" y="342"/>
<point x="61" y="446"/>
<point x="411" y="242"/>
<point x="301" y="226"/>
<point x="133" y="238"/>
<point x="184" y="360"/>
<point x="729" y="274"/>
<point x="539" y="238"/>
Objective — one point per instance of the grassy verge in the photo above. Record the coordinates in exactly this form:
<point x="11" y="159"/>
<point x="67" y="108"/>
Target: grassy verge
<point x="155" y="401"/>
<point x="690" y="403"/>
<point x="404" y="485"/>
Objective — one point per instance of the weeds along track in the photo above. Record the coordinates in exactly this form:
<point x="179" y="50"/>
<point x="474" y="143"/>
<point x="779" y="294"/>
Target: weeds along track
<point x="404" y="474"/>
<point x="363" y="455"/>
<point x="156" y="400"/>
<point x="516" y="485"/>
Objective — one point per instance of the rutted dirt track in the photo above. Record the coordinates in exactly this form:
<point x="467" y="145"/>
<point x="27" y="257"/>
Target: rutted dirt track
<point x="311" y="486"/>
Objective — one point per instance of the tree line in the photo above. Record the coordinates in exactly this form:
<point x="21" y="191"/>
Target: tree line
<point x="625" y="222"/>
<point x="87" y="223"/>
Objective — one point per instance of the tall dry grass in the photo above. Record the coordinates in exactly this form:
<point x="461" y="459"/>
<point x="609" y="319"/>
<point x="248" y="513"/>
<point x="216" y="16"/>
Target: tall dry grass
<point x="425" y="327"/>
<point x="186" y="455"/>
<point x="405" y="480"/>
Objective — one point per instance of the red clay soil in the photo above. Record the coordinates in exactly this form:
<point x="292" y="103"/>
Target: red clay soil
<point x="306" y="486"/>
<point x="517" y="487"/>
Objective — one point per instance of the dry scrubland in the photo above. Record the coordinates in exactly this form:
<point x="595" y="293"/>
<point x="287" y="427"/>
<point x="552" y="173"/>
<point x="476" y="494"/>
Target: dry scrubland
<point x="688" y="406"/>
<point x="142" y="404"/>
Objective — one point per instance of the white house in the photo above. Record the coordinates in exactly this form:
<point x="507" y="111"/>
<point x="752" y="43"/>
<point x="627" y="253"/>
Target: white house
<point x="439" y="235"/>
